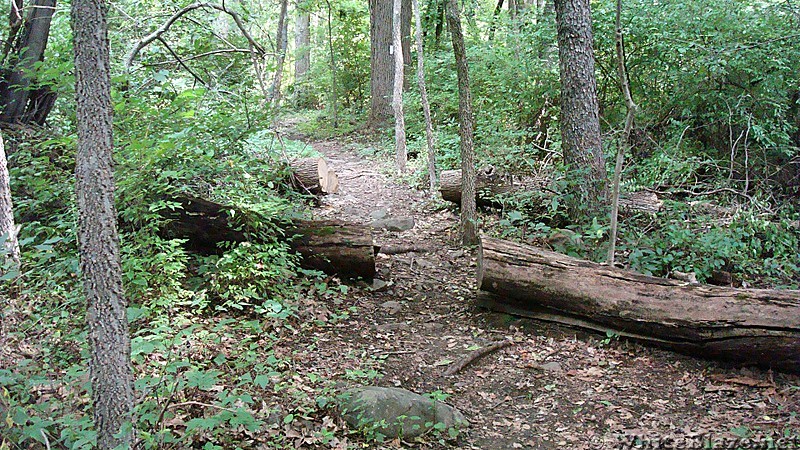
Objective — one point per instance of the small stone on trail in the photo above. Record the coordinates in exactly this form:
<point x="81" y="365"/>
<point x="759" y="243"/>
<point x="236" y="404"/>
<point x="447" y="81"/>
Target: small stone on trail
<point x="456" y="254"/>
<point x="379" y="285"/>
<point x="399" y="326"/>
<point x="397" y="412"/>
<point x="392" y="307"/>
<point x="551" y="367"/>
<point x="398" y="224"/>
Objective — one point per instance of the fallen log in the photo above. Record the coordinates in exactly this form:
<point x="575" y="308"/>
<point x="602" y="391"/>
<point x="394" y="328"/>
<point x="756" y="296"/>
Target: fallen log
<point x="331" y="246"/>
<point x="491" y="184"/>
<point x="488" y="184"/>
<point x="314" y="176"/>
<point x="746" y="326"/>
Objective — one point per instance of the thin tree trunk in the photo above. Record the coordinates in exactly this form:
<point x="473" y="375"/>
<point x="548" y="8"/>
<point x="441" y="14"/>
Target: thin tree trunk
<point x="495" y="15"/>
<point x="18" y="99"/>
<point x="397" y="94"/>
<point x="8" y="230"/>
<point x="624" y="144"/>
<point x="281" y="41"/>
<point x="423" y="92"/>
<point x="469" y="215"/>
<point x="334" y="87"/>
<point x="109" y="340"/>
<point x="580" y="121"/>
<point x="302" y="43"/>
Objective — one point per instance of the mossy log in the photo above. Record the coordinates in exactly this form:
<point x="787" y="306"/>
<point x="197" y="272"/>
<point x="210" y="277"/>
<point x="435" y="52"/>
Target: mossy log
<point x="747" y="326"/>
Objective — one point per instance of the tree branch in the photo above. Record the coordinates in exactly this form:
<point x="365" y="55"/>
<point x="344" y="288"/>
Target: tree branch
<point x="145" y="41"/>
<point x="201" y="55"/>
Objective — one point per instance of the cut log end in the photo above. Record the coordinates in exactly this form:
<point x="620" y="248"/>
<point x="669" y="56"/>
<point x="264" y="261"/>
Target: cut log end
<point x="314" y="176"/>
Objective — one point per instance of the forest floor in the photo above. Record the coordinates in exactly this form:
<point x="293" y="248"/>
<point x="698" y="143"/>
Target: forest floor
<point x="556" y="387"/>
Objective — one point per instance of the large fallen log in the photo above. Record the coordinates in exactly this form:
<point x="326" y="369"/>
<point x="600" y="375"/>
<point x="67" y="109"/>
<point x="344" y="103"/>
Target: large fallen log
<point x="491" y="184"/>
<point x="314" y="176"/>
<point x="333" y="247"/>
<point x="748" y="326"/>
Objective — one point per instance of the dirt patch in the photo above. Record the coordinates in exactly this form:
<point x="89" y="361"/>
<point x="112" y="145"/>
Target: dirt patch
<point x="556" y="387"/>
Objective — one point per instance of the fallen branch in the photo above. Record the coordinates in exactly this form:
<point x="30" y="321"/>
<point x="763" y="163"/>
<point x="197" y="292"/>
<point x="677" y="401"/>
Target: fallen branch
<point x="476" y="354"/>
<point x="147" y="40"/>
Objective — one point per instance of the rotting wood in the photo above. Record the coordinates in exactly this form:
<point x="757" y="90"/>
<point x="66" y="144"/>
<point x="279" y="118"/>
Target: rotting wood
<point x="400" y="249"/>
<point x="475" y="355"/>
<point x="745" y="326"/>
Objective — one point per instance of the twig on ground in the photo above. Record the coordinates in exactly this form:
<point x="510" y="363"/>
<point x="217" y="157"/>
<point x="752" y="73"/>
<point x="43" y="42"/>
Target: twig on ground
<point x="476" y="354"/>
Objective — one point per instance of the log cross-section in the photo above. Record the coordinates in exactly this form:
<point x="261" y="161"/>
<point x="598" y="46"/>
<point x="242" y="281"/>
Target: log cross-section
<point x="749" y="326"/>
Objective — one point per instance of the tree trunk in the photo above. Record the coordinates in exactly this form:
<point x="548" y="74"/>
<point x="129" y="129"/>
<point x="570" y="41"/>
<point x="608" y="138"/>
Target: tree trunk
<point x="397" y="92"/>
<point x="302" y="45"/>
<point x="469" y="215"/>
<point x="381" y="57"/>
<point x="281" y="42"/>
<point x="109" y="341"/>
<point x="580" y="122"/>
<point x="423" y="93"/>
<point x="493" y="22"/>
<point x="333" y="247"/>
<point x="624" y="144"/>
<point x="749" y="326"/>
<point x="20" y="102"/>
<point x="334" y="86"/>
<point x="8" y="230"/>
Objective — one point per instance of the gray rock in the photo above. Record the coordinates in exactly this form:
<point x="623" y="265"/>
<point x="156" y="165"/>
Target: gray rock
<point x="396" y="412"/>
<point x="396" y="224"/>
<point x="378" y="214"/>
<point x="551" y="367"/>
<point x="379" y="285"/>
<point x="392" y="307"/>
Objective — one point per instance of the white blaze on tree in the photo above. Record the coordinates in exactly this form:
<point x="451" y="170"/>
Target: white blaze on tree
<point x="397" y="93"/>
<point x="8" y="231"/>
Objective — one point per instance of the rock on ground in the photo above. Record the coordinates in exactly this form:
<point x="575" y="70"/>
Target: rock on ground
<point x="396" y="412"/>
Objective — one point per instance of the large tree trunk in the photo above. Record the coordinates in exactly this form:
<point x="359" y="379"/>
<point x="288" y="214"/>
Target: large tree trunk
<point x="20" y="101"/>
<point x="423" y="93"/>
<point x="381" y="80"/>
<point x="8" y="230"/>
<point x="302" y="45"/>
<point x="281" y="43"/>
<point x="580" y="122"/>
<point x="469" y="215"/>
<point x="397" y="90"/>
<point x="749" y="326"/>
<point x="109" y="341"/>
<point x="333" y="247"/>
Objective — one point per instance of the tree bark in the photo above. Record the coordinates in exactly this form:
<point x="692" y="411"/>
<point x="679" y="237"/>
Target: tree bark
<point x="281" y="42"/>
<point x="109" y="340"/>
<point x="397" y="91"/>
<point x="423" y="93"/>
<point x="749" y="326"/>
<point x="8" y="230"/>
<point x="302" y="45"/>
<point x="334" y="86"/>
<point x="20" y="102"/>
<point x="469" y="215"/>
<point x="334" y="247"/>
<point x="381" y="56"/>
<point x="580" y="122"/>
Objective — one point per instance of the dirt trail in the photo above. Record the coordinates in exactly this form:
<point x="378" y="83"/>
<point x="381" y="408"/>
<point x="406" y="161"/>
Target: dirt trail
<point x="557" y="387"/>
